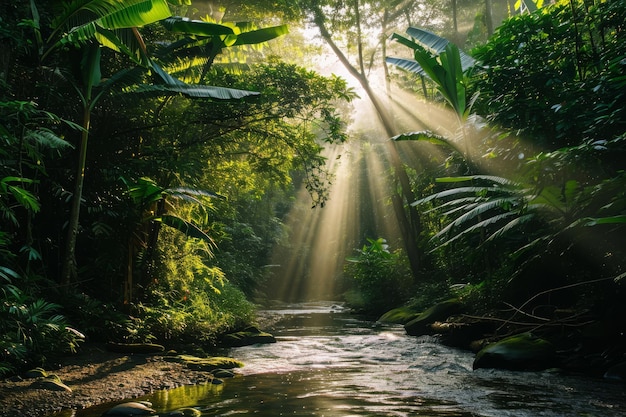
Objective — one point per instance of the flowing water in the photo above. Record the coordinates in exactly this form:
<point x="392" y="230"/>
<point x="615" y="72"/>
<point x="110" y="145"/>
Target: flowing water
<point x="327" y="362"/>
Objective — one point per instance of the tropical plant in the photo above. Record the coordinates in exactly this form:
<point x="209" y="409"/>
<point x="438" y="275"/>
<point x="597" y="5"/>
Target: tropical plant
<point x="30" y="329"/>
<point x="556" y="84"/>
<point x="202" y="41"/>
<point x="442" y="62"/>
<point x="530" y="223"/>
<point x="156" y="207"/>
<point x="89" y="26"/>
<point x="381" y="278"/>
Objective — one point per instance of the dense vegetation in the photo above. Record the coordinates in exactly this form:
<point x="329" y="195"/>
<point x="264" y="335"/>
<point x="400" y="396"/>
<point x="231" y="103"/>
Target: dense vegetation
<point x="530" y="224"/>
<point x="174" y="170"/>
<point x="198" y="142"/>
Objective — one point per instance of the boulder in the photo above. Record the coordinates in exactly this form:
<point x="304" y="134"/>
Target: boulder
<point x="522" y="352"/>
<point x="462" y="334"/>
<point x="248" y="336"/>
<point x="129" y="409"/>
<point x="400" y="315"/>
<point x="439" y="312"/>
<point x="616" y="372"/>
<point x="185" y="412"/>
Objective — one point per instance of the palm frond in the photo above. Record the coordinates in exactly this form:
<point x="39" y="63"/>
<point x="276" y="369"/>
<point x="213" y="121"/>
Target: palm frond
<point x="513" y="224"/>
<point x="478" y="226"/>
<point x="477" y="210"/>
<point x="457" y="202"/>
<point x="47" y="138"/>
<point x="194" y="91"/>
<point x="406" y="64"/>
<point x="492" y="178"/>
<point x="459" y="191"/>
<point x="178" y="191"/>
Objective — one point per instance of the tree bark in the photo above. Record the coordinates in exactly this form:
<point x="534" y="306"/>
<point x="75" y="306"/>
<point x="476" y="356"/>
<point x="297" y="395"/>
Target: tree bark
<point x="69" y="270"/>
<point x="489" y="16"/>
<point x="455" y="18"/>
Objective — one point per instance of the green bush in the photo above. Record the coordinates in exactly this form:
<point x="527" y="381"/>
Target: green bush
<point x="381" y="279"/>
<point x="31" y="331"/>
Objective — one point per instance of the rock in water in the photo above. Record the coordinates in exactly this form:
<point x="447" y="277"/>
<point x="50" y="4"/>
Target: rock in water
<point x="185" y="412"/>
<point x="248" y="336"/>
<point x="522" y="352"/>
<point x="205" y="364"/>
<point x="400" y="315"/>
<point x="131" y="409"/>
<point x="616" y="372"/>
<point x="439" y="312"/>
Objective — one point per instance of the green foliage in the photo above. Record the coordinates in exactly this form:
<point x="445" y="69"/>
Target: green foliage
<point x="554" y="75"/>
<point x="190" y="301"/>
<point x="31" y="330"/>
<point x="559" y="218"/>
<point x="382" y="279"/>
<point x="442" y="62"/>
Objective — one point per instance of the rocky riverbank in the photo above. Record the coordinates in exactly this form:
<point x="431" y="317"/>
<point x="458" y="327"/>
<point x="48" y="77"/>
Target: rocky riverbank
<point x="95" y="376"/>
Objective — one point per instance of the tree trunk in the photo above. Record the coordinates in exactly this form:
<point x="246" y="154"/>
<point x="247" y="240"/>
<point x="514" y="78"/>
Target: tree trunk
<point x="409" y="225"/>
<point x="69" y="270"/>
<point x="455" y="19"/>
<point x="91" y="75"/>
<point x="489" y="16"/>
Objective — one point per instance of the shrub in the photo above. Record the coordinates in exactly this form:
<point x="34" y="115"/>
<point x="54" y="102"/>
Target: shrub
<point x="382" y="279"/>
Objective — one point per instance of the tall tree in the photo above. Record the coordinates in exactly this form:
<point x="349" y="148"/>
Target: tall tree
<point x="88" y="26"/>
<point x="359" y="14"/>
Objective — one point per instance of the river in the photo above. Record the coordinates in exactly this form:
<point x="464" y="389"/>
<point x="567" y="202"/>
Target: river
<point x="327" y="362"/>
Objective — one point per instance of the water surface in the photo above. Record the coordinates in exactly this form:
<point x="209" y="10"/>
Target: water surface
<point x="327" y="362"/>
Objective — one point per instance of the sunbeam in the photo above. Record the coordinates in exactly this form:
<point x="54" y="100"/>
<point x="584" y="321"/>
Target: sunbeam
<point x="310" y="265"/>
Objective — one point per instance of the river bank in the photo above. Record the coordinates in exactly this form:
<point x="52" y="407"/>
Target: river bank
<point x="96" y="376"/>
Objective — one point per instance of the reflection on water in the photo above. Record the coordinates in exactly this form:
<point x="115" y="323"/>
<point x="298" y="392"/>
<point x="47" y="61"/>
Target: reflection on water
<point x="329" y="363"/>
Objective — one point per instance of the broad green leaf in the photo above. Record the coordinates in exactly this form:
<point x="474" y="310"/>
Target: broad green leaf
<point x="145" y="191"/>
<point x="590" y="221"/>
<point x="25" y="198"/>
<point x="571" y="189"/>
<point x="7" y="274"/>
<point x="90" y="66"/>
<point x="137" y="14"/>
<point x="410" y="65"/>
<point x="185" y="227"/>
<point x="179" y="24"/>
<point x="261" y="35"/>
<point x="423" y="135"/>
<point x="435" y="43"/>
<point x="78" y="15"/>
<point x="195" y="91"/>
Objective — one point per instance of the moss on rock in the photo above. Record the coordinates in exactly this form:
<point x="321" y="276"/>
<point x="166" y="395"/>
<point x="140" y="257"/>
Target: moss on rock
<point x="439" y="312"/>
<point x="522" y="352"/>
<point x="206" y="364"/>
<point x="400" y="315"/>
